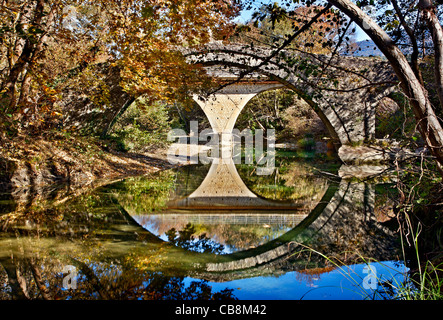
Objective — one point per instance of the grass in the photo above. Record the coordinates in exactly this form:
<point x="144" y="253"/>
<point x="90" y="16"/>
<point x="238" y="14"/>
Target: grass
<point x="430" y="282"/>
<point x="427" y="279"/>
<point x="369" y="284"/>
<point x="426" y="283"/>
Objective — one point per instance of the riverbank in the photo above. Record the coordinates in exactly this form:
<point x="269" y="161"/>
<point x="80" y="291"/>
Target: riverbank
<point x="78" y="161"/>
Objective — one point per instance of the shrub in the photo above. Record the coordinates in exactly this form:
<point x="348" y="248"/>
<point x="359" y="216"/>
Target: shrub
<point x="141" y="128"/>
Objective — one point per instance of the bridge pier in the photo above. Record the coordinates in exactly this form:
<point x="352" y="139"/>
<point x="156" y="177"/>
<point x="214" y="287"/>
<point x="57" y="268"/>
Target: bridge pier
<point x="224" y="107"/>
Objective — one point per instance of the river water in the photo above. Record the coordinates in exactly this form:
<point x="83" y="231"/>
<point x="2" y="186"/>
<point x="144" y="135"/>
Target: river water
<point x="216" y="231"/>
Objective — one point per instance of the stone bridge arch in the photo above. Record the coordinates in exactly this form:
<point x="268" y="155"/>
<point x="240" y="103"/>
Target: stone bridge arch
<point x="343" y="91"/>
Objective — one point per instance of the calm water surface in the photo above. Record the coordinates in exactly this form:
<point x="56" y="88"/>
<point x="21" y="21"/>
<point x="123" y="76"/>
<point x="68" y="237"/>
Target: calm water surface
<point x="215" y="231"/>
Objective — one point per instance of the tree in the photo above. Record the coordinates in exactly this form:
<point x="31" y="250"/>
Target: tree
<point x="272" y="26"/>
<point x="144" y="37"/>
<point x="43" y="45"/>
<point x="50" y="45"/>
<point x="426" y="118"/>
<point x="427" y="122"/>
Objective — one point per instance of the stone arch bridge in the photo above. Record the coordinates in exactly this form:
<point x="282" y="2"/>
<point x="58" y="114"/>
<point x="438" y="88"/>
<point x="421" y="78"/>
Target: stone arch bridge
<point x="344" y="91"/>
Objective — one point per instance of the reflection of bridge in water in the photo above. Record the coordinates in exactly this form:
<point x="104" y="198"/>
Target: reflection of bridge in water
<point x="342" y="222"/>
<point x="343" y="219"/>
<point x="274" y="218"/>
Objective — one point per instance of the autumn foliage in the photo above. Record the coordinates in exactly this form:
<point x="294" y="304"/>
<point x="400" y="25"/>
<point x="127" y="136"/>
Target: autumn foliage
<point x="272" y="26"/>
<point x="48" y="46"/>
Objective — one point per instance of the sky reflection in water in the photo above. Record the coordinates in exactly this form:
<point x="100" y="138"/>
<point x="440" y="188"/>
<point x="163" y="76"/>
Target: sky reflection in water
<point x="341" y="283"/>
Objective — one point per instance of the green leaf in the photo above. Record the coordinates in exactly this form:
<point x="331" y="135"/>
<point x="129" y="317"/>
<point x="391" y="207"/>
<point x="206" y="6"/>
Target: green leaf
<point x="147" y="12"/>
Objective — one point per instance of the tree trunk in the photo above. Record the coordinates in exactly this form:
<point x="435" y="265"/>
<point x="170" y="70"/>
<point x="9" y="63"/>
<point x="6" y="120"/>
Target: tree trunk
<point x="38" y="48"/>
<point x="92" y="279"/>
<point x="16" y="70"/>
<point x="39" y="281"/>
<point x="25" y="89"/>
<point x="427" y="121"/>
<point x="24" y="61"/>
<point x="21" y="26"/>
<point x="413" y="38"/>
<point x="116" y="117"/>
<point x="15" y="280"/>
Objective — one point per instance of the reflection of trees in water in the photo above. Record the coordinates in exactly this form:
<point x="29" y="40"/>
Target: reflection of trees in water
<point x="144" y="194"/>
<point x="308" y="276"/>
<point x="114" y="259"/>
<point x="188" y="179"/>
<point x="31" y="268"/>
<point x="130" y="282"/>
<point x="242" y="237"/>
<point x="33" y="278"/>
<point x="235" y="236"/>
<point x="36" y="244"/>
<point x="295" y="182"/>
